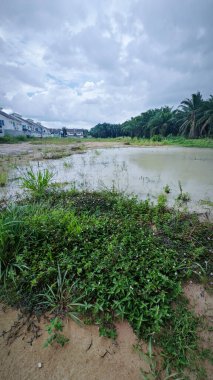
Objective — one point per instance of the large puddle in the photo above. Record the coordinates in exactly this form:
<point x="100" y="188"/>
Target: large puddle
<point x="141" y="171"/>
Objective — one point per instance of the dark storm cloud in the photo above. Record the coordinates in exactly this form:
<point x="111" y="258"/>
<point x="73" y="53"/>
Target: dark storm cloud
<point x="81" y="63"/>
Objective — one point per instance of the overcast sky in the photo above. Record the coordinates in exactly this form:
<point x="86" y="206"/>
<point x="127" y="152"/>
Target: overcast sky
<point x="81" y="62"/>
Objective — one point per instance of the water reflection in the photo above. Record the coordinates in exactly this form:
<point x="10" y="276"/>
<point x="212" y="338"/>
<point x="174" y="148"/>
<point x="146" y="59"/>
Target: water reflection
<point x="142" y="171"/>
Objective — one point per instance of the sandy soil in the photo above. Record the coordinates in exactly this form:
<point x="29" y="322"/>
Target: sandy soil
<point x="87" y="356"/>
<point x="28" y="148"/>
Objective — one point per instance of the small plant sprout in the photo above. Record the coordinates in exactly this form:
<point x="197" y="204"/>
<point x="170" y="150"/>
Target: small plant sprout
<point x="167" y="189"/>
<point x="162" y="200"/>
<point x="67" y="164"/>
<point x="36" y="182"/>
<point x="58" y="298"/>
<point x="54" y="330"/>
<point x="3" y="178"/>
<point x="156" y="371"/>
<point x="182" y="197"/>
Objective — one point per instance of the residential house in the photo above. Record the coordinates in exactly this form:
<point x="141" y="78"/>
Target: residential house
<point x="75" y="132"/>
<point x="15" y="125"/>
<point x="25" y="126"/>
<point x="9" y="125"/>
<point x="55" y="132"/>
<point x="45" y="132"/>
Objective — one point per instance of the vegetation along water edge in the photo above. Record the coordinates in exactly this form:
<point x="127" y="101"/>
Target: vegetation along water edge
<point x="100" y="257"/>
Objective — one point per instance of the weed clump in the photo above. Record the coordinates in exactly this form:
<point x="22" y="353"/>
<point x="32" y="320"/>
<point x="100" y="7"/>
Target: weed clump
<point x="54" y="330"/>
<point x="36" y="182"/>
<point x="3" y="178"/>
<point x="104" y="256"/>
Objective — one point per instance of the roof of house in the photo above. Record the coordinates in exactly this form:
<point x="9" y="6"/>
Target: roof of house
<point x="18" y="117"/>
<point x="74" y="130"/>
<point x="6" y="115"/>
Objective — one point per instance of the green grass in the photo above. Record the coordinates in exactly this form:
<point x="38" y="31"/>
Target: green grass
<point x="54" y="330"/>
<point x="36" y="182"/>
<point x="206" y="202"/>
<point x="178" y="140"/>
<point x="3" y="178"/>
<point x="58" y="140"/>
<point x="7" y="139"/>
<point x="118" y="258"/>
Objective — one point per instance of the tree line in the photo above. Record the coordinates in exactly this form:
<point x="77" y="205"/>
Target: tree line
<point x="193" y="118"/>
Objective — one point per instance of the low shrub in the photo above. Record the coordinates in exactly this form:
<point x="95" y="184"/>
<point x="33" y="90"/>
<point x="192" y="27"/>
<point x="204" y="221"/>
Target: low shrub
<point x="36" y="182"/>
<point x="101" y="254"/>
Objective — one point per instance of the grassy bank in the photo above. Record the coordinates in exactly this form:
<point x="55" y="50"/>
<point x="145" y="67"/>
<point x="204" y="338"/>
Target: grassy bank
<point x="116" y="257"/>
<point x="179" y="141"/>
<point x="14" y="139"/>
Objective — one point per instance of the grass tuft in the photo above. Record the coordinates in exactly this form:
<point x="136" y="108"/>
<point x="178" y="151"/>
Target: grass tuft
<point x="3" y="178"/>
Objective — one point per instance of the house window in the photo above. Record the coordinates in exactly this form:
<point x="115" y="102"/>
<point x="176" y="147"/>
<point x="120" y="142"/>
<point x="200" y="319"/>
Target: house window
<point x="1" y="123"/>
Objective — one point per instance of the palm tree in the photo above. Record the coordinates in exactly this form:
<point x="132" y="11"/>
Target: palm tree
<point x="162" y="122"/>
<point x="191" y="110"/>
<point x="206" y="121"/>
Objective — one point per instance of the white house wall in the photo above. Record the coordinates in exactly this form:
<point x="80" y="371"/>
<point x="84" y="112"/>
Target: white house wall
<point x="11" y="127"/>
<point x="15" y="127"/>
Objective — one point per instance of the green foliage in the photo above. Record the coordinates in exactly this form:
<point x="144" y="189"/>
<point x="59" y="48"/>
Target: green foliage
<point x="53" y="329"/>
<point x="179" y="339"/>
<point x="36" y="182"/>
<point x="11" y="262"/>
<point x="162" y="200"/>
<point x="167" y="189"/>
<point x="182" y="197"/>
<point x="3" y="178"/>
<point x="58" y="297"/>
<point x="7" y="139"/>
<point x="193" y="119"/>
<point x="156" y="138"/>
<point x="108" y="332"/>
<point x="155" y="372"/>
<point x="120" y="257"/>
<point x="190" y="114"/>
<point x="67" y="165"/>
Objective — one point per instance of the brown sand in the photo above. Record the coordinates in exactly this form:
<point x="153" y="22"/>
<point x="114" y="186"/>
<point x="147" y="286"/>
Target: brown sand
<point x="87" y="356"/>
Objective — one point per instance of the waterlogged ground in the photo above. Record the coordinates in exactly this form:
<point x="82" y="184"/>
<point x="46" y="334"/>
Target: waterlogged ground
<point x="141" y="171"/>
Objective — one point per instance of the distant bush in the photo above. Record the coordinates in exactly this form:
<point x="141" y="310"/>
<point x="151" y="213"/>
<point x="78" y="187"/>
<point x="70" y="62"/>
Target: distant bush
<point x="156" y="138"/>
<point x="7" y="139"/>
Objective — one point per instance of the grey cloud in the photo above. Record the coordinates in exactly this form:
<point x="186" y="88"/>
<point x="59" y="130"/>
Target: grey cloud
<point x="81" y="63"/>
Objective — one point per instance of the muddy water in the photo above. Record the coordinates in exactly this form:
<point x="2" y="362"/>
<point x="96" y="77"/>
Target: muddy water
<point x="142" y="171"/>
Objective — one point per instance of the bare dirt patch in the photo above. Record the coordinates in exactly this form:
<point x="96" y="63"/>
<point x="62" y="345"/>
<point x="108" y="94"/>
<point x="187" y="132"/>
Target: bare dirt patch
<point x="86" y="357"/>
<point x="28" y="148"/>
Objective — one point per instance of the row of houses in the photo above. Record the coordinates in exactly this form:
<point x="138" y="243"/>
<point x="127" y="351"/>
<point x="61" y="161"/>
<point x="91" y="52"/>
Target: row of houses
<point x="15" y="125"/>
<point x="69" y="132"/>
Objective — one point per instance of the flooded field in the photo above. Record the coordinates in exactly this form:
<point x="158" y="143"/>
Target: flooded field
<point x="141" y="171"/>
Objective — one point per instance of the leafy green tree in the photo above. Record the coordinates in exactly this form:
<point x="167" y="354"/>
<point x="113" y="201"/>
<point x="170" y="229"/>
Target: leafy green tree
<point x="162" y="123"/>
<point x="206" y="120"/>
<point x="64" y="132"/>
<point x="106" y="130"/>
<point x="193" y="119"/>
<point x="191" y="113"/>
